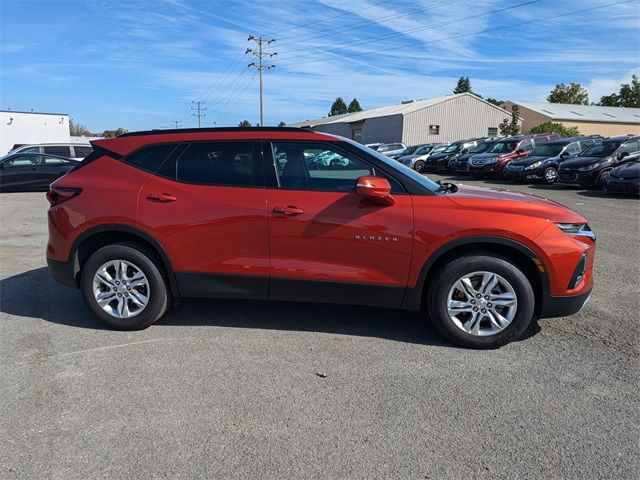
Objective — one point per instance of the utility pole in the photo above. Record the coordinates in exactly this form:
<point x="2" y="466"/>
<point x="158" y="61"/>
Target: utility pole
<point x="176" y="123"/>
<point x="260" y="66"/>
<point x="199" y="109"/>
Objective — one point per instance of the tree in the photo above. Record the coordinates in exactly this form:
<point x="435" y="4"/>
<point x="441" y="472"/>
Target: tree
<point x="511" y="127"/>
<point x="78" y="130"/>
<point x="494" y="101"/>
<point x="464" y="85"/>
<point x="338" y="107"/>
<point x="282" y="124"/>
<point x="628" y="96"/>
<point x="560" y="129"/>
<point x="354" y="106"/>
<point x="244" y="123"/>
<point x="572" y="93"/>
<point x="114" y="133"/>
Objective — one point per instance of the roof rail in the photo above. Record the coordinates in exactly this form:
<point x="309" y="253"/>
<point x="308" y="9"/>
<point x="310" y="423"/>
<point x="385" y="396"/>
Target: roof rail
<point x="214" y="129"/>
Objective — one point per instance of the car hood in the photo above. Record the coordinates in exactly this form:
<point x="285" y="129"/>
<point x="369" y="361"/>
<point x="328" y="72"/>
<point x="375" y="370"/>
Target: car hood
<point x="511" y="202"/>
<point x="486" y="155"/>
<point x="439" y="155"/>
<point x="407" y="157"/>
<point x="531" y="160"/>
<point x="628" y="170"/>
<point x="581" y="161"/>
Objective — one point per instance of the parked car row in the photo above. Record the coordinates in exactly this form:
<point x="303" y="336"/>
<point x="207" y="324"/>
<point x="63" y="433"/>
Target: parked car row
<point x="586" y="161"/>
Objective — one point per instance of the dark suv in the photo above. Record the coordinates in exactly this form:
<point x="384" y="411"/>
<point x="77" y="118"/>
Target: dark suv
<point x="590" y="167"/>
<point x="544" y="160"/>
<point x="460" y="163"/>
<point x="439" y="162"/>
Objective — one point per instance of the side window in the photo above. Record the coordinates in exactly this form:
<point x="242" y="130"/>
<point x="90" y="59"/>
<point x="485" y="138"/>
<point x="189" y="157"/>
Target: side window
<point x="629" y="147"/>
<point x="573" y="148"/>
<point x="61" y="150"/>
<point x="82" y="152"/>
<point x="434" y="129"/>
<point x="150" y="158"/>
<point x="31" y="149"/>
<point x="54" y="161"/>
<point x="526" y="145"/>
<point x="305" y="166"/>
<point x="217" y="163"/>
<point x="22" y="161"/>
<point x="492" y="131"/>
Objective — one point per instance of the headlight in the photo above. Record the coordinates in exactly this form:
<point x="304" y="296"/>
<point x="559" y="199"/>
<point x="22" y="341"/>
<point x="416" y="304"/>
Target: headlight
<point x="533" y="165"/>
<point x="490" y="160"/>
<point x="589" y="167"/>
<point x="581" y="229"/>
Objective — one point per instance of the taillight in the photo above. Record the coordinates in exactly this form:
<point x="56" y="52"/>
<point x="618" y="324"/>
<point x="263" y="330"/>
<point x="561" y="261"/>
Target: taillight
<point x="57" y="195"/>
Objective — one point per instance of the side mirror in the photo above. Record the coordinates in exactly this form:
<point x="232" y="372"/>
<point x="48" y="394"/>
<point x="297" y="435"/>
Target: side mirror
<point x="520" y="151"/>
<point x="375" y="188"/>
<point x="463" y="151"/>
<point x="622" y="155"/>
<point x="564" y="154"/>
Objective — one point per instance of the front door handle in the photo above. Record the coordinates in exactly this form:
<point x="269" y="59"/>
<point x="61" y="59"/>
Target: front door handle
<point x="161" y="197"/>
<point x="290" y="210"/>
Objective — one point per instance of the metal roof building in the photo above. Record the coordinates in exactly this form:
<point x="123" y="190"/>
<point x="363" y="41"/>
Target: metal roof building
<point x="589" y="119"/>
<point x="441" y="119"/>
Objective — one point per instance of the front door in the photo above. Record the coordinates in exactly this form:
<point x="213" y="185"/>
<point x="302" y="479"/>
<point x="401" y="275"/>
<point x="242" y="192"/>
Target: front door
<point x="19" y="172"/>
<point x="327" y="243"/>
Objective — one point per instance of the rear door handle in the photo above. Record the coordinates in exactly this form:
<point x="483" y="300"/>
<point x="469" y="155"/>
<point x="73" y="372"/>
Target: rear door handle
<point x="290" y="210"/>
<point x="161" y="197"/>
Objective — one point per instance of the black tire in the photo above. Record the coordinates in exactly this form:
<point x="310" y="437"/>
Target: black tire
<point x="147" y="262"/>
<point x="445" y="277"/>
<point x="599" y="182"/>
<point x="547" y="172"/>
<point x="419" y="166"/>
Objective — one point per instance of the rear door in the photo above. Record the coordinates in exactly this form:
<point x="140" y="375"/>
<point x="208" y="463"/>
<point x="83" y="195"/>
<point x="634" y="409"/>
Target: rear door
<point x="206" y="204"/>
<point x="327" y="243"/>
<point x="19" y="172"/>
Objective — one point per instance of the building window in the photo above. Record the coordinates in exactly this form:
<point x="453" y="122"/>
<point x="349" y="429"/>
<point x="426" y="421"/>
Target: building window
<point x="356" y="135"/>
<point x="434" y="129"/>
<point x="492" y="132"/>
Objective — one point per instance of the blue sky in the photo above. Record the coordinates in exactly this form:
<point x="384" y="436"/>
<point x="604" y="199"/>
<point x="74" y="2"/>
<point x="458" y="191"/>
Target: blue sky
<point x="138" y="64"/>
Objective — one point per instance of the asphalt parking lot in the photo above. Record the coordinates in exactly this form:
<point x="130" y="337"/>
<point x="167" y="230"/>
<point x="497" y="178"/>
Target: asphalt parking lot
<point x="221" y="389"/>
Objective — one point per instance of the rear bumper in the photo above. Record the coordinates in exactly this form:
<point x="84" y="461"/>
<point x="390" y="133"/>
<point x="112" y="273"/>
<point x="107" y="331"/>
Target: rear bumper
<point x="63" y="272"/>
<point x="553" y="306"/>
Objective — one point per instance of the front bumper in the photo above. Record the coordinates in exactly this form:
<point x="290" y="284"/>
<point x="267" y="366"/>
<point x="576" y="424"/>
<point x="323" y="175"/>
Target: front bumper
<point x="536" y="174"/>
<point x="556" y="306"/>
<point x="456" y="167"/>
<point x="621" y="186"/>
<point x="439" y="166"/>
<point x="487" y="169"/>
<point x="575" y="177"/>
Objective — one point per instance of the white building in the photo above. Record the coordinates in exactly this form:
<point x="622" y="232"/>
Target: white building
<point x="442" y="119"/>
<point x="22" y="128"/>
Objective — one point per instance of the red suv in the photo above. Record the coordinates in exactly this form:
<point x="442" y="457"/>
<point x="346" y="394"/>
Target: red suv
<point x="495" y="160"/>
<point x="152" y="217"/>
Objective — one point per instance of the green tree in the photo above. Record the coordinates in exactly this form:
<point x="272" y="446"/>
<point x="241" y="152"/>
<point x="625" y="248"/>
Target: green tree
<point x="338" y="107"/>
<point x="511" y="127"/>
<point x="78" y="130"/>
<point x="114" y="133"/>
<point x="282" y="124"/>
<point x="559" y="128"/>
<point x="628" y="96"/>
<point x="354" y="106"/>
<point x="572" y="93"/>
<point x="494" y="101"/>
<point x="244" y="123"/>
<point x="464" y="85"/>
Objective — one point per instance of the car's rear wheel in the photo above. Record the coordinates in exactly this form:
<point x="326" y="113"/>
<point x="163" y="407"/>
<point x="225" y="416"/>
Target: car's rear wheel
<point x="419" y="166"/>
<point x="550" y="175"/>
<point x="123" y="285"/>
<point x="481" y="301"/>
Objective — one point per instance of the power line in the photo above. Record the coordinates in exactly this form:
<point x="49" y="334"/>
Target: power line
<point x="237" y="97"/>
<point x="176" y="123"/>
<point x="488" y="30"/>
<point x="199" y="109"/>
<point x="260" y="66"/>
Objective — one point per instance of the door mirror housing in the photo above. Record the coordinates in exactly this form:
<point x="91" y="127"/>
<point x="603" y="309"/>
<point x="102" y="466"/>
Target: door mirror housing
<point x="375" y="188"/>
<point x="622" y="155"/>
<point x="564" y="154"/>
<point x="519" y="151"/>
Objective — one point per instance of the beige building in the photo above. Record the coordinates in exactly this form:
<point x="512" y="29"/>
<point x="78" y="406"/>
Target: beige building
<point x="442" y="119"/>
<point x="588" y="119"/>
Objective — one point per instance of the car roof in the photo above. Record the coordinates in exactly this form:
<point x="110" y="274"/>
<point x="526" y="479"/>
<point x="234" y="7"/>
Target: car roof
<point x="35" y="154"/>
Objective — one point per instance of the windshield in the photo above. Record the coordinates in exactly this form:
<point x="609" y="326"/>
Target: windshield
<point x="481" y="147"/>
<point x="398" y="167"/>
<point x="422" y="150"/>
<point x="439" y="148"/>
<point x="603" y="149"/>
<point x="503" y="147"/>
<point x="547" y="150"/>
<point x="454" y="147"/>
<point x="410" y="150"/>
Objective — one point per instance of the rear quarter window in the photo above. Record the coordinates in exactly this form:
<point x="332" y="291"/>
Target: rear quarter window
<point x="150" y="158"/>
<point x="61" y="150"/>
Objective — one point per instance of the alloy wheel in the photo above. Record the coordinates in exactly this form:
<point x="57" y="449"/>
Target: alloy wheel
<point x="121" y="289"/>
<point x="482" y="303"/>
<point x="550" y="175"/>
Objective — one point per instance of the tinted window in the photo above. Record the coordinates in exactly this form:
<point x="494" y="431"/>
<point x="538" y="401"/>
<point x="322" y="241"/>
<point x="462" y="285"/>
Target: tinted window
<point x="573" y="148"/>
<point x="603" y="149"/>
<point x="527" y="145"/>
<point x="150" y="158"/>
<point x="82" y="152"/>
<point x="31" y="149"/>
<point x="503" y="147"/>
<point x="58" y="150"/>
<point x="629" y="147"/>
<point x="22" y="161"/>
<point x="55" y="161"/>
<point x="547" y="150"/>
<point x="217" y="163"/>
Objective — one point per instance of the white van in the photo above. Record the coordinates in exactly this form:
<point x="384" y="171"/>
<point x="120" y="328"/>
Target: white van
<point x="76" y="151"/>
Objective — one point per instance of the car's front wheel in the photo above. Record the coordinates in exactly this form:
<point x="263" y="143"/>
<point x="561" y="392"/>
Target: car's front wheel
<point x="550" y="175"/>
<point x="481" y="301"/>
<point x="419" y="166"/>
<point x="123" y="285"/>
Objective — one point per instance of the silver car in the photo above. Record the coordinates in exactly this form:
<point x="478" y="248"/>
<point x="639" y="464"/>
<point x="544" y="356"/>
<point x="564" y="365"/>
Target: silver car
<point x="419" y="157"/>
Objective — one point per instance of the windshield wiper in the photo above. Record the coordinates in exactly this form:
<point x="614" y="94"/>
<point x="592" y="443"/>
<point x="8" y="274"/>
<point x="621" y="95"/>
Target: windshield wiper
<point x="446" y="187"/>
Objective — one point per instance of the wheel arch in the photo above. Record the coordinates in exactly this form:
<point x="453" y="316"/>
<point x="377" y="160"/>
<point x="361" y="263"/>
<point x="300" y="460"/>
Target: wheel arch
<point x="97" y="237"/>
<point x="522" y="256"/>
